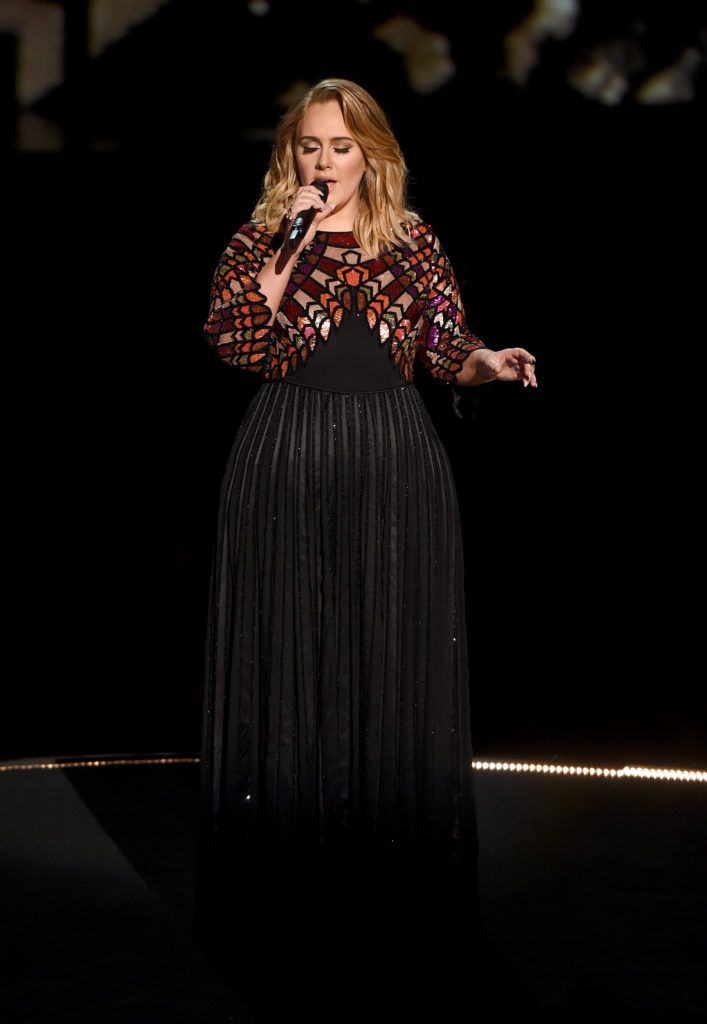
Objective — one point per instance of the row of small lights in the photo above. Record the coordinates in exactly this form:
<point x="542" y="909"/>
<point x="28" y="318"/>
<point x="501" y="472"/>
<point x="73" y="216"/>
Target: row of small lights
<point x="628" y="771"/>
<point x="95" y="763"/>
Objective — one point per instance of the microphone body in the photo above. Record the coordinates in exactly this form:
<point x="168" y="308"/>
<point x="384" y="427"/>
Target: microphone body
<point x="301" y="224"/>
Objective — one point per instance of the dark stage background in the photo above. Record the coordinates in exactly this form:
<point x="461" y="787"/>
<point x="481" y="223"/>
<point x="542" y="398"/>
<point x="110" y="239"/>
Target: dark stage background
<point x="575" y="225"/>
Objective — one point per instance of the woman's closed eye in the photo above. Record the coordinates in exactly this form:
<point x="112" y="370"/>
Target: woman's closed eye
<point x="311" y="149"/>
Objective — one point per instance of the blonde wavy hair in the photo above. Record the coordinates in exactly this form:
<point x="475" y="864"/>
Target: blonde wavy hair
<point x="383" y="217"/>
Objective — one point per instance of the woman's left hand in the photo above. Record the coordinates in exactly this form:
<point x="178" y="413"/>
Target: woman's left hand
<point x="508" y="364"/>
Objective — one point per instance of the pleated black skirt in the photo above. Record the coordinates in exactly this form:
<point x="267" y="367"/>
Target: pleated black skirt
<point x="337" y="813"/>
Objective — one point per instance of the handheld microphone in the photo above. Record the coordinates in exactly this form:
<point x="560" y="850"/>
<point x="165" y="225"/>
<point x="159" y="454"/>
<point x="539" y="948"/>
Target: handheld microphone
<point x="301" y="224"/>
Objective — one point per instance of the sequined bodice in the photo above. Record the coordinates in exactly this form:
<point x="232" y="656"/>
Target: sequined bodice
<point x="345" y="322"/>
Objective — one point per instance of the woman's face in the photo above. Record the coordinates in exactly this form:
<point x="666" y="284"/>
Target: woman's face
<point x="324" y="149"/>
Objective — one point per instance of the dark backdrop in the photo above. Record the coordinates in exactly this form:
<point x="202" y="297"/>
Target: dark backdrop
<point x="575" y="229"/>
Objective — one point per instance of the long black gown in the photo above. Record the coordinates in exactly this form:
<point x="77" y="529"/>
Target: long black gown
<point x="338" y="841"/>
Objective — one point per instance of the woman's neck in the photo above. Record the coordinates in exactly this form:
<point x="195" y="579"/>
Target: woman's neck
<point x="326" y="226"/>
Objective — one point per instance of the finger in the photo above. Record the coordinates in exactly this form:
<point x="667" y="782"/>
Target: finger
<point x="310" y="190"/>
<point x="296" y="210"/>
<point x="327" y="208"/>
<point x="316" y="201"/>
<point x="306" y="193"/>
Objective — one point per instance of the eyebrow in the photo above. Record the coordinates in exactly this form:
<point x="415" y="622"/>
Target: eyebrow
<point x="334" y="138"/>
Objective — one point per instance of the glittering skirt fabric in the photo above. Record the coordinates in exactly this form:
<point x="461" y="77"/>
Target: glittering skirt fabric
<point x="337" y="823"/>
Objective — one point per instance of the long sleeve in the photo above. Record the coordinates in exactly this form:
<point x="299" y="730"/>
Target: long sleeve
<point x="445" y="339"/>
<point x="238" y="317"/>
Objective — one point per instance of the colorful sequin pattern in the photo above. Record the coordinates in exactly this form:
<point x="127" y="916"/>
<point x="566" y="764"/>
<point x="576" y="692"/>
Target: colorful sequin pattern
<point x="409" y="296"/>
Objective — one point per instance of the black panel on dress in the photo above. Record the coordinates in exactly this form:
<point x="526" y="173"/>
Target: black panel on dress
<point x="351" y="360"/>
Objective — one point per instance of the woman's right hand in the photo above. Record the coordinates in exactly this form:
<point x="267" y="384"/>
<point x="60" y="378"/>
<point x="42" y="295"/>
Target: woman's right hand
<point x="306" y="197"/>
